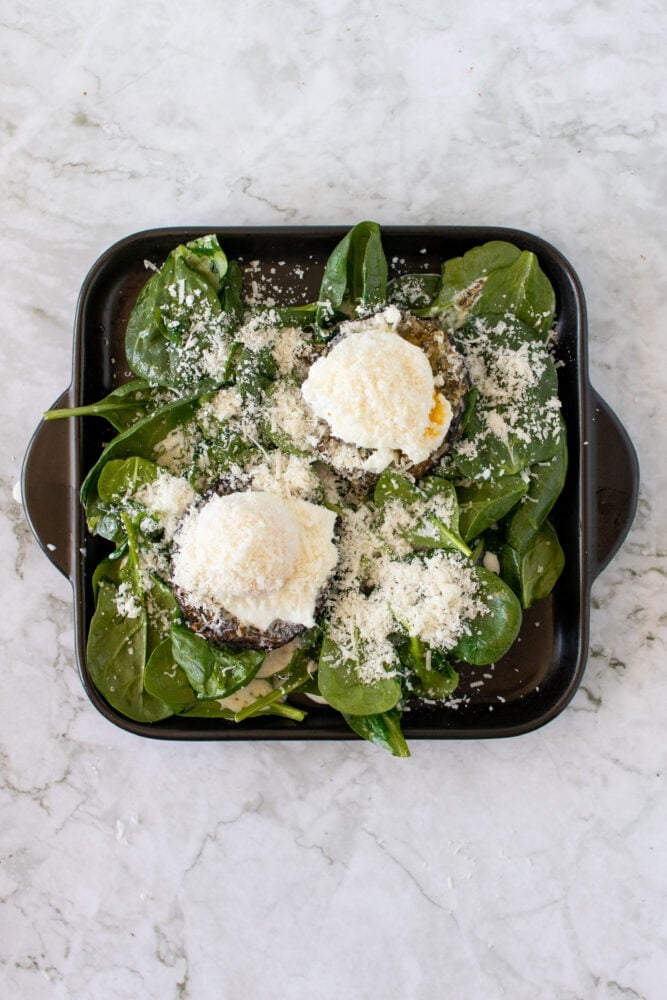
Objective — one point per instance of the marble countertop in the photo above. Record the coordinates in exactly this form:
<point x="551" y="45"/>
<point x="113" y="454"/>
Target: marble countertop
<point x="531" y="867"/>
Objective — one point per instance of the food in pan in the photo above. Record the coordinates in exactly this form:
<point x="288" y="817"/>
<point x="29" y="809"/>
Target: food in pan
<point x="343" y="501"/>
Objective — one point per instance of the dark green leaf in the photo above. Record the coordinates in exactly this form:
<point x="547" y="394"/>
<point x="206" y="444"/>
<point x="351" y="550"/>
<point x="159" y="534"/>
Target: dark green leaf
<point x="545" y="486"/>
<point x="463" y="278"/>
<point x="165" y="680"/>
<point x="231" y="295"/>
<point x="254" y="372"/>
<point x="499" y="278"/>
<point x="122" y="407"/>
<point x="430" y="675"/>
<point x="205" y="256"/>
<point x="523" y="290"/>
<point x="122" y="477"/>
<point x="491" y="634"/>
<point x="213" y="671"/>
<point x="340" y="685"/>
<point x="484" y="503"/>
<point x="413" y="291"/>
<point x="179" y="303"/>
<point x="294" y="676"/>
<point x="355" y="276"/>
<point x="116" y="658"/>
<point x="301" y="316"/>
<point x="140" y="440"/>
<point x="531" y="422"/>
<point x="429" y="531"/>
<point x="383" y="729"/>
<point x="532" y="574"/>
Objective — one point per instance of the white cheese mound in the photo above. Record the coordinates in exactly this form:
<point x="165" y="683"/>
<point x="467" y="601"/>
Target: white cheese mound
<point x="376" y="390"/>
<point x="257" y="556"/>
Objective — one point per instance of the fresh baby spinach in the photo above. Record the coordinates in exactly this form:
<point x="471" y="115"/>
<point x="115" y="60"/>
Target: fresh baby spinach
<point x="483" y="503"/>
<point x="213" y="671"/>
<point x="167" y="681"/>
<point x="122" y="407"/>
<point x="533" y="572"/>
<point x="341" y="685"/>
<point x="116" y="657"/>
<point x="495" y="278"/>
<point x="294" y="677"/>
<point x="493" y="632"/>
<point x="516" y="420"/>
<point x="430" y="675"/>
<point x="413" y="291"/>
<point x="139" y="441"/>
<point x="383" y="729"/>
<point x="431" y="529"/>
<point x="545" y="485"/>
<point x="166" y="320"/>
<point x="355" y="276"/>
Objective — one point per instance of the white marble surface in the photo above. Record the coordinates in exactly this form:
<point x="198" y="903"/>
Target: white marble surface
<point x="534" y="867"/>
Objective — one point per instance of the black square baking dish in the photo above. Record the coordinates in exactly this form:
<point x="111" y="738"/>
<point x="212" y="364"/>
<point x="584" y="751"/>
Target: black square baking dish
<point x="541" y="673"/>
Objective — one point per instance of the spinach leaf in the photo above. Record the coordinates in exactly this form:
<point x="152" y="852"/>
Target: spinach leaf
<point x="294" y="676"/>
<point x="168" y="682"/>
<point x="179" y="303"/>
<point x="301" y="316"/>
<point x="523" y="290"/>
<point x="213" y="671"/>
<point x="491" y="634"/>
<point x="511" y="427"/>
<point x="545" y="486"/>
<point x="340" y="684"/>
<point x="109" y="569"/>
<point x="139" y="441"/>
<point x="532" y="573"/>
<point x="496" y="277"/>
<point x="122" y="407"/>
<point x="430" y="675"/>
<point x="355" y="276"/>
<point x="215" y="456"/>
<point x="463" y="279"/>
<point x="116" y="658"/>
<point x="122" y="477"/>
<point x="163" y="611"/>
<point x="254" y="372"/>
<point x="383" y="729"/>
<point x="205" y="256"/>
<point x="481" y="504"/>
<point x="231" y="295"/>
<point x="429" y="531"/>
<point x="413" y="291"/>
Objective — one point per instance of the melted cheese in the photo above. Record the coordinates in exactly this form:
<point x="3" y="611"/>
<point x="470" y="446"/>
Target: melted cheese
<point x="257" y="556"/>
<point x="376" y="390"/>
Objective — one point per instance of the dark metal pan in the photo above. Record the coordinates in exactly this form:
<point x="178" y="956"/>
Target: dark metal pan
<point x="539" y="676"/>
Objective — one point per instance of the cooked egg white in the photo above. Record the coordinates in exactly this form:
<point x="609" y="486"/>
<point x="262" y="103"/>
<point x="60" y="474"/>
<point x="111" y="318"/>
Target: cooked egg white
<point x="376" y="390"/>
<point x="258" y="556"/>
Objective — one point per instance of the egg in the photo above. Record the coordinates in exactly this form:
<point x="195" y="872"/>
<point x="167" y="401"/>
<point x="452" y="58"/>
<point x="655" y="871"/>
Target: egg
<point x="376" y="390"/>
<point x="255" y="556"/>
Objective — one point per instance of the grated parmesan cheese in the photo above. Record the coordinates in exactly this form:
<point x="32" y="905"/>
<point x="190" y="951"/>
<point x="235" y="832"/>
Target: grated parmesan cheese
<point x="167" y="497"/>
<point x="377" y="592"/>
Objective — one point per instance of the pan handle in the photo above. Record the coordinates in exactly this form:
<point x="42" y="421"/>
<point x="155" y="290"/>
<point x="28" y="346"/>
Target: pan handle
<point x="47" y="487"/>
<point x="615" y="482"/>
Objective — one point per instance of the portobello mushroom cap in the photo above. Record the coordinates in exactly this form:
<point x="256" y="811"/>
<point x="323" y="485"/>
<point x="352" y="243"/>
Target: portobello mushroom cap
<point x="222" y="628"/>
<point x="452" y="380"/>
